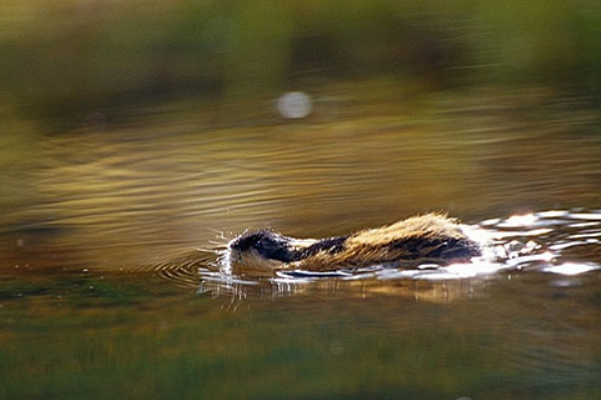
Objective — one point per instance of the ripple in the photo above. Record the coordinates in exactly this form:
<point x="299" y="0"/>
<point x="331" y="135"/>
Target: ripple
<point x="592" y="216"/>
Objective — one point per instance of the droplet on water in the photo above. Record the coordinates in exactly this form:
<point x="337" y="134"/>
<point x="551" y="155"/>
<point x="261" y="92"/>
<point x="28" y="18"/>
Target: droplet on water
<point x="294" y="105"/>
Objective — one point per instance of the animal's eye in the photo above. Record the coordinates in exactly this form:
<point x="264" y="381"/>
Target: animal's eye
<point x="266" y="244"/>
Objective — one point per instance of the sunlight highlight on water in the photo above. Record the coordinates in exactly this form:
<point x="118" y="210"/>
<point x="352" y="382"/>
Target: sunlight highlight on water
<point x="571" y="268"/>
<point x="518" y="221"/>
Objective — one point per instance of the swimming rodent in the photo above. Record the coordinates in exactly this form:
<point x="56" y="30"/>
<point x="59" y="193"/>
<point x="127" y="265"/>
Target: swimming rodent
<point x="421" y="239"/>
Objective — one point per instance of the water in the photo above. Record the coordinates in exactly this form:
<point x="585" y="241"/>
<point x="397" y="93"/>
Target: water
<point x="111" y="287"/>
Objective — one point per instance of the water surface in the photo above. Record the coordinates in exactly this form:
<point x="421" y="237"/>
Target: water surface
<point x="110" y="285"/>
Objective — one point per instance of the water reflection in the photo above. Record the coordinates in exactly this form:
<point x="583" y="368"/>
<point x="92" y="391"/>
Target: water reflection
<point x="148" y="198"/>
<point x="113" y="261"/>
<point x="136" y="195"/>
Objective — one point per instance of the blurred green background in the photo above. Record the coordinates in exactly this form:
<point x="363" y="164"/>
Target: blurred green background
<point x="74" y="57"/>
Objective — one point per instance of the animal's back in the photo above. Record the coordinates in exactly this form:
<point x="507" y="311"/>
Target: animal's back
<point x="428" y="237"/>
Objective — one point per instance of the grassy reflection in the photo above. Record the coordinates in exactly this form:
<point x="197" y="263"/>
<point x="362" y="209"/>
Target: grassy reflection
<point x="341" y="348"/>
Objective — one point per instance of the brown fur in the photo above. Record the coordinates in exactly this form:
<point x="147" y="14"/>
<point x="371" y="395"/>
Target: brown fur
<point x="430" y="237"/>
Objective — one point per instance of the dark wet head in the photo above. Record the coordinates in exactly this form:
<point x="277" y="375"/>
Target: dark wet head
<point x="264" y="243"/>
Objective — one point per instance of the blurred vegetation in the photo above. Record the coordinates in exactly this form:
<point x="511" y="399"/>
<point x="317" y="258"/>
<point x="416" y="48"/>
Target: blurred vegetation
<point x="72" y="57"/>
<point x="79" y="342"/>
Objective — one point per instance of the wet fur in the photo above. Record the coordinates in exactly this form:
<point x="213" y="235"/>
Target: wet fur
<point x="426" y="238"/>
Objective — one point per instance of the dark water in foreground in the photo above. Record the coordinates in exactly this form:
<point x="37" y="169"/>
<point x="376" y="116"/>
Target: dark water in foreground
<point x="110" y="287"/>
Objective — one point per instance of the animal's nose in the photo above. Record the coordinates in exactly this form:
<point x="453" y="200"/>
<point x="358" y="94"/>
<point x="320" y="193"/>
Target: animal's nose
<point x="234" y="244"/>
